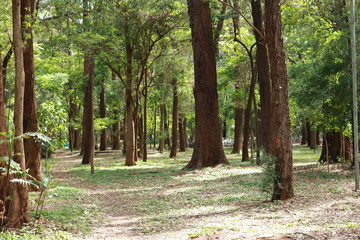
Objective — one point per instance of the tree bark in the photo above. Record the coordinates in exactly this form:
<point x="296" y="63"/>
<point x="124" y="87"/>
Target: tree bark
<point x="182" y="138"/>
<point x="4" y="150"/>
<point x="185" y="133"/>
<point x="116" y="131"/>
<point x="162" y="128"/>
<point x="130" y="120"/>
<point x="30" y="123"/>
<point x="304" y="136"/>
<point x="280" y="144"/>
<point x="208" y="149"/>
<point x="175" y="117"/>
<point x="313" y="139"/>
<point x="5" y="63"/>
<point x="338" y="149"/>
<point x="144" y="143"/>
<point x="103" y="138"/>
<point x="88" y="138"/>
<point x="239" y="117"/>
<point x="262" y="66"/>
<point x="308" y="133"/>
<point x="19" y="214"/>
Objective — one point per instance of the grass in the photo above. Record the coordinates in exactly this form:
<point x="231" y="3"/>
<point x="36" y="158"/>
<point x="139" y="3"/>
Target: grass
<point x="164" y="199"/>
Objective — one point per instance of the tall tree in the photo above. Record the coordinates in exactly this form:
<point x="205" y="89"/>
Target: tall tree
<point x="88" y="138"/>
<point x="280" y="145"/>
<point x="4" y="150"/>
<point x="175" y="116"/>
<point x="19" y="213"/>
<point x="262" y="66"/>
<point x="30" y="122"/>
<point x="208" y="149"/>
<point x="103" y="138"/>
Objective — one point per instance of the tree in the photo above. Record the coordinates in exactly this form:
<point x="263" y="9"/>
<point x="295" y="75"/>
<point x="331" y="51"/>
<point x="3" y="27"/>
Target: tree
<point x="262" y="66"/>
<point x="175" y="116"/>
<point x="30" y="121"/>
<point x="103" y="137"/>
<point x="208" y="149"/>
<point x="88" y="139"/>
<point x="19" y="213"/>
<point x="4" y="150"/>
<point x="280" y="145"/>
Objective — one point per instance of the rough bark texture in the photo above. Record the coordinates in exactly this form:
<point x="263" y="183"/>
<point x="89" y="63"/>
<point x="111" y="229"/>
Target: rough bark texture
<point x="339" y="148"/>
<point x="4" y="150"/>
<point x="19" y="213"/>
<point x="280" y="144"/>
<point x="103" y="138"/>
<point x="130" y="123"/>
<point x="175" y="116"/>
<point x="262" y="65"/>
<point x="88" y="138"/>
<point x="116" y="131"/>
<point x="239" y="117"/>
<point x="208" y="149"/>
<point x="30" y="123"/>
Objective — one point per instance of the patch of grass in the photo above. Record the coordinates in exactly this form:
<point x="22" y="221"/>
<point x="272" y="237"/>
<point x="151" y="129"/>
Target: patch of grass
<point x="304" y="154"/>
<point x="76" y="219"/>
<point x="37" y="232"/>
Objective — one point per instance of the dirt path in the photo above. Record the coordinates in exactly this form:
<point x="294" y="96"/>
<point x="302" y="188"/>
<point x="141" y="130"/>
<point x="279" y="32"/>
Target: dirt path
<point x="300" y="218"/>
<point x="115" y="224"/>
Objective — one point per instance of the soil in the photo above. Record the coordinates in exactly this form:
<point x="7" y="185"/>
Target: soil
<point x="314" y="217"/>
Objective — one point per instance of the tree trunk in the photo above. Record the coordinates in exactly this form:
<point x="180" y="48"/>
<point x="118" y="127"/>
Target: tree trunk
<point x="154" y="127"/>
<point x="185" y="133"/>
<point x="208" y="149"/>
<point x="116" y="131"/>
<point x="175" y="117"/>
<point x="304" y="135"/>
<point x="88" y="138"/>
<point x="224" y="129"/>
<point x="144" y="143"/>
<point x="239" y="117"/>
<point x="30" y="123"/>
<point x="308" y="133"/>
<point x="182" y="135"/>
<point x="162" y="128"/>
<point x="130" y="121"/>
<point x="4" y="151"/>
<point x="19" y="214"/>
<point x="280" y="144"/>
<point x="5" y="63"/>
<point x="313" y="139"/>
<point x="166" y="129"/>
<point x="262" y="66"/>
<point x="338" y="149"/>
<point x="103" y="138"/>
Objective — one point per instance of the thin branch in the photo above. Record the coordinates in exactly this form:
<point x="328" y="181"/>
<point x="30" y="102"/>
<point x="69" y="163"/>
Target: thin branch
<point x="246" y="20"/>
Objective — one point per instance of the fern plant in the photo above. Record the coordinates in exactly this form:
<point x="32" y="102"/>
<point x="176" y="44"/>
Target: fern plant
<point x="14" y="174"/>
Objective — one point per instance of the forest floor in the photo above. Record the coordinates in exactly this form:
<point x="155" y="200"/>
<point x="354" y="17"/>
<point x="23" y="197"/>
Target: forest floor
<point x="158" y="200"/>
